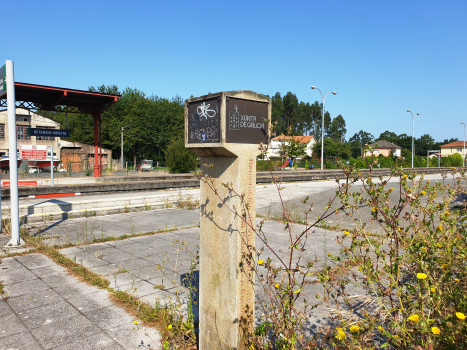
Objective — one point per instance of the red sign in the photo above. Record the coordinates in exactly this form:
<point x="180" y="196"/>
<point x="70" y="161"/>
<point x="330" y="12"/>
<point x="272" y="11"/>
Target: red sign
<point x="22" y="183"/>
<point x="33" y="152"/>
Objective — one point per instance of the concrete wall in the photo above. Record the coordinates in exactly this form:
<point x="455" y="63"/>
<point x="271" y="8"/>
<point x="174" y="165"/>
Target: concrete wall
<point x="36" y="122"/>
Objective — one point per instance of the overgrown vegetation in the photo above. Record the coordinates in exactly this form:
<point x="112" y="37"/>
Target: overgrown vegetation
<point x="402" y="287"/>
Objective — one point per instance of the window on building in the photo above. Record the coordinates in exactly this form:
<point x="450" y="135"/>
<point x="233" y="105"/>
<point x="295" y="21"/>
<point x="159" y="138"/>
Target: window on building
<point x="376" y="151"/>
<point x="45" y="138"/>
<point x="2" y="131"/>
<point x="22" y="132"/>
<point x="459" y="150"/>
<point x="22" y="118"/>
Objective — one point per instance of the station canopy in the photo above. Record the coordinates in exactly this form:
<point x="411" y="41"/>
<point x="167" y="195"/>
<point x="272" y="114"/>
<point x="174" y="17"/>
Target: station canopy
<point x="57" y="99"/>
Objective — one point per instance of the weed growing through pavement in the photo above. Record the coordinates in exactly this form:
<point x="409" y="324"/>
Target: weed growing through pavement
<point x="182" y="322"/>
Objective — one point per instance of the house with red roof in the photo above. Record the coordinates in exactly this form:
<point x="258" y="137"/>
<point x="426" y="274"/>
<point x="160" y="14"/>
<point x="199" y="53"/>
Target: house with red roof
<point x="452" y="148"/>
<point x="277" y="142"/>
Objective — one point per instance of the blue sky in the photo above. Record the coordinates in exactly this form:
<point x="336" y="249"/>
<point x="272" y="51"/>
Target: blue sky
<point x="382" y="57"/>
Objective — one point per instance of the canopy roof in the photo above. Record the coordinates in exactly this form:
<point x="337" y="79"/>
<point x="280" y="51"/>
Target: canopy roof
<point x="51" y="98"/>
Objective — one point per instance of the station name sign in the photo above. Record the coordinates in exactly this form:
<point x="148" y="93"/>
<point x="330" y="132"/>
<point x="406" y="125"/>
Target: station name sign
<point x="49" y="132"/>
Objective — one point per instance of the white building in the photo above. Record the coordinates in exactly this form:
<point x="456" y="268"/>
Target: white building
<point x="24" y="121"/>
<point x="276" y="144"/>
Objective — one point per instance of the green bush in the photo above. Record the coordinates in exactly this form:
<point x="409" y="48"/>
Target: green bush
<point x="178" y="158"/>
<point x="268" y="165"/>
<point x="452" y="160"/>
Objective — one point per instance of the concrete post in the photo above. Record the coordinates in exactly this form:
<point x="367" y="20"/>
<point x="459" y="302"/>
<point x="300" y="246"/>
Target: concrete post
<point x="225" y="130"/>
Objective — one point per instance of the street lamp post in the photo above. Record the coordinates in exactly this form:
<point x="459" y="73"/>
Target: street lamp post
<point x="413" y="121"/>
<point x="463" y="154"/>
<point x="123" y="128"/>
<point x="322" y="128"/>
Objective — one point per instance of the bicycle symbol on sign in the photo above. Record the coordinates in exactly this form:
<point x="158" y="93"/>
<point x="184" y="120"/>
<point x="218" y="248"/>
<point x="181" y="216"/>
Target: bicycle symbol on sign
<point x="203" y="111"/>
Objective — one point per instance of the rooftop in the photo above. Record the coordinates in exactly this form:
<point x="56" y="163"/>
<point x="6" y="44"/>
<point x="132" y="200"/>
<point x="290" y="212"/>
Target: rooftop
<point x="301" y="139"/>
<point x="383" y="144"/>
<point x="455" y="144"/>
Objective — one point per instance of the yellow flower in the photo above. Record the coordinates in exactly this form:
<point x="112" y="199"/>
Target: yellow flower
<point x="366" y="314"/>
<point x="435" y="330"/>
<point x="428" y="181"/>
<point x="405" y="176"/>
<point x="399" y="229"/>
<point x="169" y="326"/>
<point x="359" y="268"/>
<point x="444" y="266"/>
<point x="414" y="318"/>
<point x="374" y="209"/>
<point x="260" y="262"/>
<point x="446" y="213"/>
<point x="391" y="189"/>
<point x="346" y="233"/>
<point x="340" y="334"/>
<point x="136" y="322"/>
<point x="437" y="206"/>
<point x="423" y="193"/>
<point x="381" y="329"/>
<point x="277" y="285"/>
<point x="421" y="276"/>
<point x="432" y="290"/>
<point x="354" y="328"/>
<point x="460" y="315"/>
<point x="440" y="227"/>
<point x="456" y="279"/>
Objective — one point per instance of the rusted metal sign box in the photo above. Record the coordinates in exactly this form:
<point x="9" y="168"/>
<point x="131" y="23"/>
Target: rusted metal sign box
<point x="215" y="123"/>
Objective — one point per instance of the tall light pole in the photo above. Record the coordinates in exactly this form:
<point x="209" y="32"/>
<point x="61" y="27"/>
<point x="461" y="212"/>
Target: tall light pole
<point x="413" y="121"/>
<point x="463" y="155"/>
<point x="322" y="128"/>
<point x="123" y="128"/>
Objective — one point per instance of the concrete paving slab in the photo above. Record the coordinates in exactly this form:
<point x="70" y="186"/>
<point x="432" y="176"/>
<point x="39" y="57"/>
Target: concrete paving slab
<point x="44" y="315"/>
<point x="28" y="301"/>
<point x="136" y="264"/>
<point x="97" y="300"/>
<point x="69" y="315"/>
<point x="23" y="340"/>
<point x="27" y="287"/>
<point x="110" y="317"/>
<point x="58" y="280"/>
<point x="122" y="281"/>
<point x="20" y="274"/>
<point x="9" y="325"/>
<point x="35" y="261"/>
<point x="70" y="329"/>
<point x="98" y="341"/>
<point x="49" y="271"/>
<point x="4" y="308"/>
<point x="138" y="337"/>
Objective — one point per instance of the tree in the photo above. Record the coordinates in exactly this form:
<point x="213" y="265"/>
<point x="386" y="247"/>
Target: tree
<point x="178" y="158"/>
<point x="337" y="128"/>
<point x="358" y="140"/>
<point x="293" y="149"/>
<point x="290" y="101"/>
